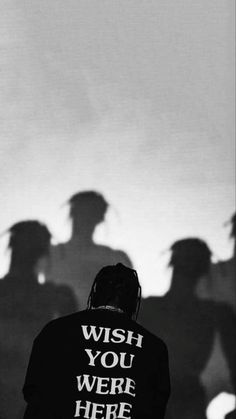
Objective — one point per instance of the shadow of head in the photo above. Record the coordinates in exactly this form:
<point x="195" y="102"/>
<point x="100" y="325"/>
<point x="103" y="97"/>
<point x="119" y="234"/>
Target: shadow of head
<point x="87" y="208"/>
<point x="190" y="260"/>
<point x="29" y="241"/>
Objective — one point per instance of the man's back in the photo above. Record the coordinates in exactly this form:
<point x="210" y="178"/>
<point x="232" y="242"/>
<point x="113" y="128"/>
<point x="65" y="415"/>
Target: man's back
<point x="97" y="364"/>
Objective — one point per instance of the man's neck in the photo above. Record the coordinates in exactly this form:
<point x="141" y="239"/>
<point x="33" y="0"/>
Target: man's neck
<point x="108" y="307"/>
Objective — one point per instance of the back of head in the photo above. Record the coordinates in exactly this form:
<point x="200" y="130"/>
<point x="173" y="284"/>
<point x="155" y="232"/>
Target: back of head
<point x="118" y="286"/>
<point x="190" y="257"/>
<point x="29" y="241"/>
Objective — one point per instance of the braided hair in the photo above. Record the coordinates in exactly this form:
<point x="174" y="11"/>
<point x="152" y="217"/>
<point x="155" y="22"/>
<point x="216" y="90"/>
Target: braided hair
<point x="116" y="285"/>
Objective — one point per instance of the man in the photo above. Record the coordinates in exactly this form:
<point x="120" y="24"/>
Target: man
<point x="99" y="363"/>
<point x="79" y="259"/>
<point x="26" y="305"/>
<point x="189" y="324"/>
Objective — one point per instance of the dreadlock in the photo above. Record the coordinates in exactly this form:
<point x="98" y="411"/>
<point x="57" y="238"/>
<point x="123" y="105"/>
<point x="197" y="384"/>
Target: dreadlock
<point x="117" y="285"/>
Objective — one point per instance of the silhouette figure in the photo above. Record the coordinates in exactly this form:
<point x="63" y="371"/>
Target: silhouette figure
<point x="223" y="285"/>
<point x="188" y="326"/>
<point x="25" y="307"/>
<point x="220" y="286"/>
<point x="78" y="260"/>
<point x="228" y="269"/>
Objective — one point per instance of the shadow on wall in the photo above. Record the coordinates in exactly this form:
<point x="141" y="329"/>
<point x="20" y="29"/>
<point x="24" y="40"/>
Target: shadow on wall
<point x="77" y="262"/>
<point x="25" y="307"/>
<point x="187" y="322"/>
<point x="220" y="285"/>
<point x="188" y="325"/>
